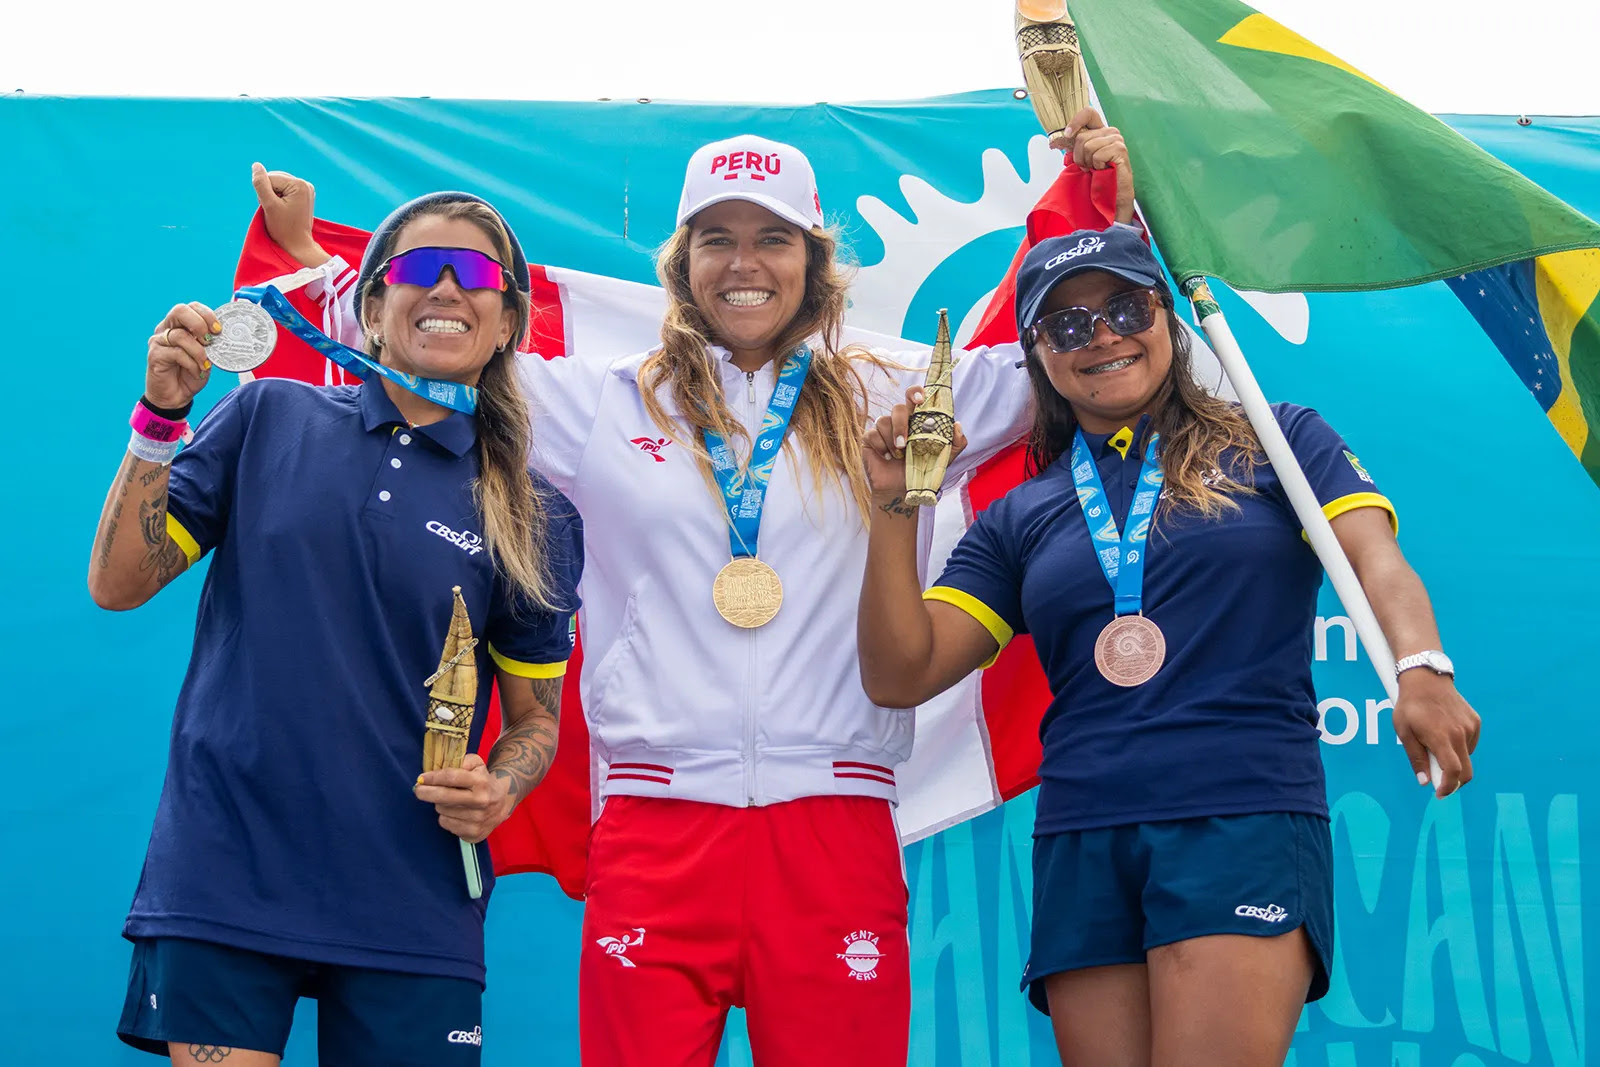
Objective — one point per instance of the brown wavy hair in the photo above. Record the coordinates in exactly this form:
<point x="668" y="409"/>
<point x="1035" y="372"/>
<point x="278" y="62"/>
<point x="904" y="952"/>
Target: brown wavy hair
<point x="829" y="415"/>
<point x="1197" y="431"/>
<point x="515" y="517"/>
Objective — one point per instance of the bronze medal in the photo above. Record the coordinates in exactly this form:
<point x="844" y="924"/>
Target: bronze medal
<point x="1130" y="650"/>
<point x="747" y="592"/>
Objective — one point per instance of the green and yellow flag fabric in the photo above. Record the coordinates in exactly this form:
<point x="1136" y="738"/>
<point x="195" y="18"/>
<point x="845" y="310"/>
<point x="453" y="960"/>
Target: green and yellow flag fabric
<point x="1275" y="166"/>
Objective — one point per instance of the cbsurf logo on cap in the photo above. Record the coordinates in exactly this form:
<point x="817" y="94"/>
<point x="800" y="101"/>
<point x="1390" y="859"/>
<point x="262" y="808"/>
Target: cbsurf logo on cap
<point x="1087" y="246"/>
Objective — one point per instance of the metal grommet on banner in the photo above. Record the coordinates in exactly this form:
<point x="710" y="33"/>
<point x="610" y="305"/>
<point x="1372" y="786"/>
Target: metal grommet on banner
<point x="1019" y="94"/>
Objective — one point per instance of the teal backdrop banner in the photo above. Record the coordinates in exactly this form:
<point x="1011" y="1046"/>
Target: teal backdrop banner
<point x="1461" y="923"/>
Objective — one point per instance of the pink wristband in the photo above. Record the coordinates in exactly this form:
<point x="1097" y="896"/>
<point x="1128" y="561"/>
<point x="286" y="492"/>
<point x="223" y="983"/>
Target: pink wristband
<point x="148" y="424"/>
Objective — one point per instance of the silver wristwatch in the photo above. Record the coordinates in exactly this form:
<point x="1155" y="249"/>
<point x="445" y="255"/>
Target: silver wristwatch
<point x="1433" y="659"/>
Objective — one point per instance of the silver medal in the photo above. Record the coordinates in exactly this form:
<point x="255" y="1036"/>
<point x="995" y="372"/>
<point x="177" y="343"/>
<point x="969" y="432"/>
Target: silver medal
<point x="248" y="335"/>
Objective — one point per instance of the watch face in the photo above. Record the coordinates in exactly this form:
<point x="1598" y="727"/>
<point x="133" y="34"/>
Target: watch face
<point x="1439" y="662"/>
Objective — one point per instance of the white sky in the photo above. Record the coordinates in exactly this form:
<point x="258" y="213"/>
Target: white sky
<point x="1518" y="57"/>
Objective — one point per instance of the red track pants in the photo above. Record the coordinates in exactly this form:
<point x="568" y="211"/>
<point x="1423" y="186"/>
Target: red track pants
<point x="795" y="912"/>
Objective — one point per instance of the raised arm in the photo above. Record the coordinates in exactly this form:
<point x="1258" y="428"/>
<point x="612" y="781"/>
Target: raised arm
<point x="910" y="649"/>
<point x="288" y="206"/>
<point x="134" y="556"/>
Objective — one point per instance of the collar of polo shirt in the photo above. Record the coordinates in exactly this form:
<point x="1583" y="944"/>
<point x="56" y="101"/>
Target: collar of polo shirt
<point x="456" y="433"/>
<point x="1123" y="440"/>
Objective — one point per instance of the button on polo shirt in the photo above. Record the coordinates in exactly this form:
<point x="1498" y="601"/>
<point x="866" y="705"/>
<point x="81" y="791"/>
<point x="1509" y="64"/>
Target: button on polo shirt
<point x="287" y="823"/>
<point x="1229" y="724"/>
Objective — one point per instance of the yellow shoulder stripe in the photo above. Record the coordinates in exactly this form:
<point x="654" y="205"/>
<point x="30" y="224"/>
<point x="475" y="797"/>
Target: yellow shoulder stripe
<point x="978" y="610"/>
<point x="183" y="539"/>
<point x="527" y="670"/>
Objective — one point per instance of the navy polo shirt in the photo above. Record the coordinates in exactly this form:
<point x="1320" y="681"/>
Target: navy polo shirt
<point x="287" y="823"/>
<point x="1229" y="724"/>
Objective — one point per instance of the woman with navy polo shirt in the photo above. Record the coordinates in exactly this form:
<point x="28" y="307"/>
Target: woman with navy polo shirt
<point x="1182" y="878"/>
<point x="296" y="852"/>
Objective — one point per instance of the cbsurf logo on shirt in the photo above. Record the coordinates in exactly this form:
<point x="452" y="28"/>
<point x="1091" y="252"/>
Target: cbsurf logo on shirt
<point x="1270" y="914"/>
<point x="466" y="540"/>
<point x="466" y="1037"/>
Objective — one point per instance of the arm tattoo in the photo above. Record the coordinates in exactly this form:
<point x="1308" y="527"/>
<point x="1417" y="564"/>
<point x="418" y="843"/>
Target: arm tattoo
<point x="108" y="533"/>
<point x="209" y="1053"/>
<point x="162" y="554"/>
<point x="899" y="507"/>
<point x="526" y="748"/>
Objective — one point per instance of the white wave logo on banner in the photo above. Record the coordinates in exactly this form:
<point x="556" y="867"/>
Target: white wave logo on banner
<point x="913" y="249"/>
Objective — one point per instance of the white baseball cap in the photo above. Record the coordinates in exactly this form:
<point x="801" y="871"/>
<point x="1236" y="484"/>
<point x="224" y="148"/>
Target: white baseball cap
<point x="776" y="176"/>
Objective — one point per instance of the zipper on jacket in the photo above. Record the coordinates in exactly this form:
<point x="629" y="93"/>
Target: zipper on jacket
<point x="752" y="687"/>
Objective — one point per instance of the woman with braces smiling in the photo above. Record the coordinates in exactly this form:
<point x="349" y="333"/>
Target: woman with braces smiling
<point x="1183" y="890"/>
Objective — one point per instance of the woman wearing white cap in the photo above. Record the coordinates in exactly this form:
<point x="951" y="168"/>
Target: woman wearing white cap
<point x="747" y="852"/>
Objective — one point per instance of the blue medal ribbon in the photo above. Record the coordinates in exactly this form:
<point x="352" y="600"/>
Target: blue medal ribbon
<point x="1122" y="555"/>
<point x="744" y="492"/>
<point x="452" y="395"/>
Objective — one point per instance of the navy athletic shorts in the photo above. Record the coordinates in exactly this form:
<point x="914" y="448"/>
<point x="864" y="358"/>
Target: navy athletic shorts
<point x="215" y="996"/>
<point x="1108" y="896"/>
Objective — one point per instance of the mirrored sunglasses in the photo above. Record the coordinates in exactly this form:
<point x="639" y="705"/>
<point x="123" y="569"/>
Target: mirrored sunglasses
<point x="1070" y="329"/>
<point x="425" y="266"/>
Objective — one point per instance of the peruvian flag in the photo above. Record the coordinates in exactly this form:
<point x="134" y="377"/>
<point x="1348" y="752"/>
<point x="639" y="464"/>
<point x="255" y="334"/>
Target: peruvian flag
<point x="977" y="744"/>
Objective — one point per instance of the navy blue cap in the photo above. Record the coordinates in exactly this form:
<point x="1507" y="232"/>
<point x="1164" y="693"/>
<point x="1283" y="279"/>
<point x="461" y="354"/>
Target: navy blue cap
<point x="1119" y="250"/>
<point x="382" y="244"/>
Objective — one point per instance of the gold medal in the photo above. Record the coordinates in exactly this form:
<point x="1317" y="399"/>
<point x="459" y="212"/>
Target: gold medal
<point x="1130" y="650"/>
<point x="747" y="592"/>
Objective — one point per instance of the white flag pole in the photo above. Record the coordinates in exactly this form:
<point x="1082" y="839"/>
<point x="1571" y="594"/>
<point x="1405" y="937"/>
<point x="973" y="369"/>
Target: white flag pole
<point x="1306" y="508"/>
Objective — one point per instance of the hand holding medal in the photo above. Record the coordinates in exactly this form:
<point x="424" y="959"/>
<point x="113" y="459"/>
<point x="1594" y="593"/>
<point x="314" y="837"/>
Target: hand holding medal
<point x="191" y="338"/>
<point x="177" y="366"/>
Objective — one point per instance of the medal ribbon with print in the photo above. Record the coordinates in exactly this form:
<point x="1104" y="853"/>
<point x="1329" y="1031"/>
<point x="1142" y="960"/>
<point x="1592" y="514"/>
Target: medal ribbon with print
<point x="1131" y="648"/>
<point x="747" y="592"/>
<point x="452" y="395"/>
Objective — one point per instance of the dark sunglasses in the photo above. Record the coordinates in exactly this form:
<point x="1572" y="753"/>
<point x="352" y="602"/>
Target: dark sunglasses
<point x="1070" y="329"/>
<point x="425" y="266"/>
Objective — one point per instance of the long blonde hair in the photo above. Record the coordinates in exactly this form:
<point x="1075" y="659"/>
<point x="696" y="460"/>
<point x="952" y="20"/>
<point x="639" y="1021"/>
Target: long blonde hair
<point x="1209" y="451"/>
<point x="829" y="415"/>
<point x="515" y="518"/>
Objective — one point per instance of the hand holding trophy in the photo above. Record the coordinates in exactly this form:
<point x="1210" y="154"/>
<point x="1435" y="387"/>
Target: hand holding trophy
<point x="452" y="702"/>
<point x="931" y="426"/>
<point x="1052" y="65"/>
<point x="908" y="450"/>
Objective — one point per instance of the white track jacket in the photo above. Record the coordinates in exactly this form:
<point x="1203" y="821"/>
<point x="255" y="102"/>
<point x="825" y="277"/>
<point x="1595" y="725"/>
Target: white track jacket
<point x="679" y="702"/>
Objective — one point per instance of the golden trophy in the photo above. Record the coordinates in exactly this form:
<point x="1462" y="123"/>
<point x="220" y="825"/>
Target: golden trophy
<point x="1052" y="65"/>
<point x="452" y="701"/>
<point x="931" y="429"/>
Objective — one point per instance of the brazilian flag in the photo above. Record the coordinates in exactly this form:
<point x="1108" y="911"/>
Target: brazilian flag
<point x="1275" y="166"/>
